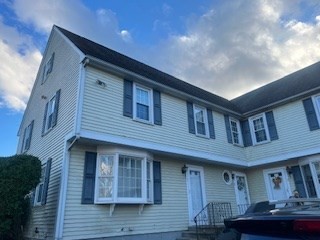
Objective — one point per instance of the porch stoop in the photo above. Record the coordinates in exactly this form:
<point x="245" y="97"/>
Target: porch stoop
<point x="208" y="233"/>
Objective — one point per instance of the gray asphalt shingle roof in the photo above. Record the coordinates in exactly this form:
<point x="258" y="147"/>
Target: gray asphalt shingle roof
<point x="291" y="85"/>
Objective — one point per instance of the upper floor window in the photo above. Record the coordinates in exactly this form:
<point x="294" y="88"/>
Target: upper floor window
<point x="47" y="68"/>
<point x="259" y="129"/>
<point x="123" y="179"/>
<point x="51" y="113"/>
<point x="312" y="110"/>
<point x="201" y="122"/>
<point x="27" y="137"/>
<point x="142" y="104"/>
<point x="235" y="131"/>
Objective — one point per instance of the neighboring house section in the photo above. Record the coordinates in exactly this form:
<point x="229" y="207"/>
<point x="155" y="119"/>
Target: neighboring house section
<point x="128" y="150"/>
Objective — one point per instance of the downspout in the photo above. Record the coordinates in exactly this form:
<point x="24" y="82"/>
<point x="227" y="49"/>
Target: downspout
<point x="63" y="188"/>
<point x="67" y="151"/>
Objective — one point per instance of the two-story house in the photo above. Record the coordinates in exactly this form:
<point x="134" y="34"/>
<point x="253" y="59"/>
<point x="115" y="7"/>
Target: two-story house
<point x="129" y="151"/>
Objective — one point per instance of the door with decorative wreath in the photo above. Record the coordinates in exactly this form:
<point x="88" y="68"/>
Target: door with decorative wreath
<point x="277" y="185"/>
<point x="242" y="191"/>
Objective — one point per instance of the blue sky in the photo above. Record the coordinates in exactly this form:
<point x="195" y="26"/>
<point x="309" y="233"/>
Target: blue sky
<point x="227" y="47"/>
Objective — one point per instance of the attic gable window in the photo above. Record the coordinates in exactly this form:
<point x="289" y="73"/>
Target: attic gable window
<point x="47" y="68"/>
<point x="258" y="125"/>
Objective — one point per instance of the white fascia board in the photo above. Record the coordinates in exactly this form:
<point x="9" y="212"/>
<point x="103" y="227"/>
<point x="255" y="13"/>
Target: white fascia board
<point x="108" y="138"/>
<point x="283" y="157"/>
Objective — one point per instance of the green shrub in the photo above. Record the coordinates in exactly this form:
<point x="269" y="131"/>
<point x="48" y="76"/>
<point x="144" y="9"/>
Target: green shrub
<point x="18" y="175"/>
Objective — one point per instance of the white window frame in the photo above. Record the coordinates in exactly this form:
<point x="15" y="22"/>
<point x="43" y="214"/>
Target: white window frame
<point x="39" y="189"/>
<point x="26" y="137"/>
<point x="49" y="113"/>
<point x="316" y="104"/>
<point x="47" y="68"/>
<point x="146" y="198"/>
<point x="265" y="127"/>
<point x="238" y="132"/>
<point x="149" y="103"/>
<point x="197" y="108"/>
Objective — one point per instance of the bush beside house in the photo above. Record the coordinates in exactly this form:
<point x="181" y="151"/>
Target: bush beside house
<point x="18" y="175"/>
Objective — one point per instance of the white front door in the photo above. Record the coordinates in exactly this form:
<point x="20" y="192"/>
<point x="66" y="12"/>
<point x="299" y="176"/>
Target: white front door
<point x="277" y="185"/>
<point x="242" y="191"/>
<point x="196" y="192"/>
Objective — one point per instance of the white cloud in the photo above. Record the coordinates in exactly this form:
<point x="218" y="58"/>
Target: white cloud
<point x="239" y="46"/>
<point x="17" y="71"/>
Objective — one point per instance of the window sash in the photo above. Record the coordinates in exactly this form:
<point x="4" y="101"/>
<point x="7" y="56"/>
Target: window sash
<point x="201" y="121"/>
<point x="123" y="179"/>
<point x="259" y="127"/>
<point x="235" y="132"/>
<point x="27" y="138"/>
<point x="142" y="104"/>
<point x="39" y="188"/>
<point x="50" y="112"/>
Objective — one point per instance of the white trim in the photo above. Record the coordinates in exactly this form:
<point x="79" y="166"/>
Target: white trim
<point x="240" y="174"/>
<point x="205" y="120"/>
<point x="197" y="155"/>
<point x="80" y="98"/>
<point x="150" y="103"/>
<point x="286" y="156"/>
<point x="265" y="125"/>
<point x="285" y="181"/>
<point x="232" y="119"/>
<point x="63" y="190"/>
<point x="203" y="190"/>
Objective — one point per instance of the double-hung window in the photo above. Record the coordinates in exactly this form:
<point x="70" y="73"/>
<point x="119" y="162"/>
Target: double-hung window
<point x="259" y="129"/>
<point x="40" y="197"/>
<point x="122" y="178"/>
<point x="51" y="113"/>
<point x="143" y="104"/>
<point x="235" y="131"/>
<point x="27" y="137"/>
<point x="201" y="122"/>
<point x="47" y="69"/>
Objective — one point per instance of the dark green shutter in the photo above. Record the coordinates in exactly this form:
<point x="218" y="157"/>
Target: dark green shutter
<point x="89" y="176"/>
<point x="46" y="182"/>
<point x="271" y="126"/>
<point x="228" y="129"/>
<point x="157" y="189"/>
<point x="311" y="114"/>
<point x="56" y="108"/>
<point x="211" y="124"/>
<point x="157" y="107"/>
<point x="246" y="135"/>
<point x="190" y="118"/>
<point x="127" y="98"/>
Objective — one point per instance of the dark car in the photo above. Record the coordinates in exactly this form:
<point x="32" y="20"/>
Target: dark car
<point x="286" y="219"/>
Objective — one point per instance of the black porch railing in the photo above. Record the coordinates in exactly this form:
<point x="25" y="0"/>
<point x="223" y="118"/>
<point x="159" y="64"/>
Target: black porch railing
<point x="242" y="208"/>
<point x="211" y="216"/>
